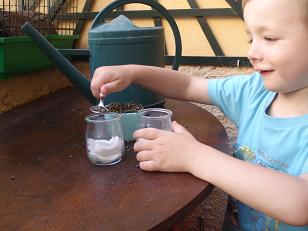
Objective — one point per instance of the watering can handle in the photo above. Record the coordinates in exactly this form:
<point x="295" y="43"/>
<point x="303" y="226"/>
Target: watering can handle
<point x="114" y="5"/>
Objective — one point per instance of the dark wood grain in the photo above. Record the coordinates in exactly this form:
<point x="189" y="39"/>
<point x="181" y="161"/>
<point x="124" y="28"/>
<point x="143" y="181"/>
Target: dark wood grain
<point x="47" y="182"/>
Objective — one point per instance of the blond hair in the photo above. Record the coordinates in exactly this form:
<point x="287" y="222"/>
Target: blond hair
<point x="304" y="6"/>
<point x="244" y="3"/>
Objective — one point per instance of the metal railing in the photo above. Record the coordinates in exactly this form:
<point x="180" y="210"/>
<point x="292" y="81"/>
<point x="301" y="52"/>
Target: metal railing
<point x="48" y="16"/>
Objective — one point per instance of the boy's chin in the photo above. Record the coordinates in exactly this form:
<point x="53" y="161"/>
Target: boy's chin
<point x="279" y="89"/>
<point x="271" y="87"/>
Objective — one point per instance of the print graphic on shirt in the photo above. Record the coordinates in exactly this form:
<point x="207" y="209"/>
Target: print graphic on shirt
<point x="244" y="153"/>
<point x="257" y="220"/>
<point x="259" y="158"/>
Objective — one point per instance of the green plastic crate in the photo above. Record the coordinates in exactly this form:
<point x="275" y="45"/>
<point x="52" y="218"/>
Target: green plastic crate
<point x="20" y="55"/>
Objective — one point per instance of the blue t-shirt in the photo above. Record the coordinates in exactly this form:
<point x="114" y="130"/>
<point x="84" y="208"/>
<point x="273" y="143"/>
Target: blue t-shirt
<point x="276" y="143"/>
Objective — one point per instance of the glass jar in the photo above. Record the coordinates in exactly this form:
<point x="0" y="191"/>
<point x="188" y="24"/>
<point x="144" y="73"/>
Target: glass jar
<point x="104" y="138"/>
<point x="155" y="118"/>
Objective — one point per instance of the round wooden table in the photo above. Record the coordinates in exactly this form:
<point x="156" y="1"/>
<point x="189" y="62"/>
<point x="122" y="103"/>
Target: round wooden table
<point x="48" y="183"/>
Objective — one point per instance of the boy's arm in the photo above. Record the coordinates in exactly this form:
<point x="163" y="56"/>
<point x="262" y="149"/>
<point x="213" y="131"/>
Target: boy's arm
<point x="172" y="84"/>
<point x="276" y="194"/>
<point x="163" y="81"/>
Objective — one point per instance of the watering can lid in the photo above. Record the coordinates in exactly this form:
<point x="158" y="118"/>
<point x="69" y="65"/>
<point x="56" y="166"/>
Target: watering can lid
<point x="122" y="27"/>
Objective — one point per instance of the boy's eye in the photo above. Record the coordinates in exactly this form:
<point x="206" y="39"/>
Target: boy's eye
<point x="250" y="40"/>
<point x="270" y="39"/>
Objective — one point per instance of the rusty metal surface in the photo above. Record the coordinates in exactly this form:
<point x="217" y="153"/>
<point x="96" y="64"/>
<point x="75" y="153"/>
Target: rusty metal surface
<point x="48" y="183"/>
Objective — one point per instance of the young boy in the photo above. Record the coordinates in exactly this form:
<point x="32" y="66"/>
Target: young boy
<point x="268" y="178"/>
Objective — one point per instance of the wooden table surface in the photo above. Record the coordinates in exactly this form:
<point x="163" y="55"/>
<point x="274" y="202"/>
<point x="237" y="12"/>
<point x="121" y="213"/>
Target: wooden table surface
<point x="48" y="183"/>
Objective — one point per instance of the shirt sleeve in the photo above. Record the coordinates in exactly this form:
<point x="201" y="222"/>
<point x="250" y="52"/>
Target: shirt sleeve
<point x="305" y="151"/>
<point x="232" y="94"/>
<point x="305" y="167"/>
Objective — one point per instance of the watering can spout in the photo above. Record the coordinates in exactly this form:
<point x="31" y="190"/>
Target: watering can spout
<point x="72" y="74"/>
<point x="117" y="42"/>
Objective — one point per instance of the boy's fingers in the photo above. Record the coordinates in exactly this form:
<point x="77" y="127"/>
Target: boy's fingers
<point x="148" y="165"/>
<point x="180" y="129"/>
<point x="143" y="156"/>
<point x="141" y="144"/>
<point x="101" y="77"/>
<point x="103" y="91"/>
<point x="95" y="90"/>
<point x="147" y="133"/>
<point x="111" y="87"/>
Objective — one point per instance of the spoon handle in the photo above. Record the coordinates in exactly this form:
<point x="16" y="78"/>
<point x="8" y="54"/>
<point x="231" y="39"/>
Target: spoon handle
<point x="101" y="101"/>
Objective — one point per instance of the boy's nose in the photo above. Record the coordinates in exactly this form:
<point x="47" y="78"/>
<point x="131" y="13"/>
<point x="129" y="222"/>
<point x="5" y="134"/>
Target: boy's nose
<point x="254" y="53"/>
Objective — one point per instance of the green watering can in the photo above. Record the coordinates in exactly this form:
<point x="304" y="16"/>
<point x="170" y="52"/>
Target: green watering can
<point x="115" y="43"/>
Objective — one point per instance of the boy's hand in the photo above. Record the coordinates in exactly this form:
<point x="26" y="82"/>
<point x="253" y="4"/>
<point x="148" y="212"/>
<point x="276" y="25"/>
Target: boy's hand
<point x="109" y="79"/>
<point x="167" y="151"/>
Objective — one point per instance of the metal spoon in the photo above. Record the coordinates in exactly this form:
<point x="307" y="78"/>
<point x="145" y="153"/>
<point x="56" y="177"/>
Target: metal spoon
<point x="100" y="107"/>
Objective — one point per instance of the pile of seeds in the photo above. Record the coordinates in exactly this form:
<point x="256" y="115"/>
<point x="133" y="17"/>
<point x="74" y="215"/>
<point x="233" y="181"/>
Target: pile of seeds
<point x="124" y="107"/>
